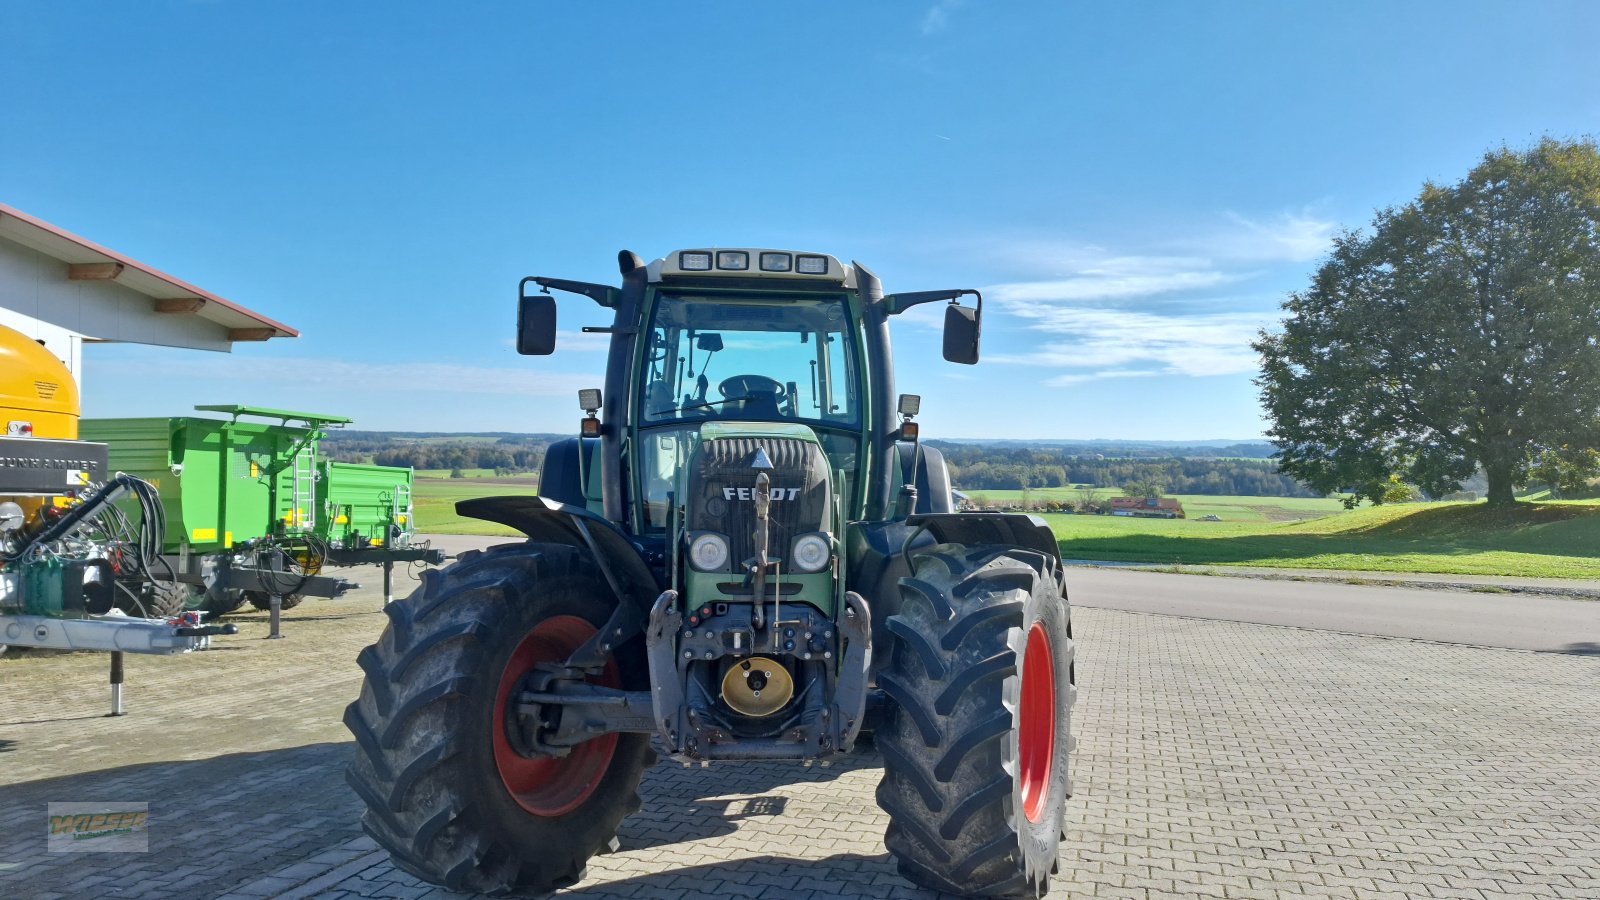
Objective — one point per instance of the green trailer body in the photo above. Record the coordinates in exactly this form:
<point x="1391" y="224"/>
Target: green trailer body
<point x="221" y="481"/>
<point x="363" y="505"/>
<point x="225" y="481"/>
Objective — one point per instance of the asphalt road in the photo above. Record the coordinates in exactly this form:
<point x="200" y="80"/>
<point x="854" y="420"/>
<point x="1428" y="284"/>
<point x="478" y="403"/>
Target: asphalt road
<point x="1515" y="621"/>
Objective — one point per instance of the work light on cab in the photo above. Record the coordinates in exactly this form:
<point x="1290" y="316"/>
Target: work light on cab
<point x="811" y="265"/>
<point x="776" y="262"/>
<point x="736" y="260"/>
<point x="694" y="262"/>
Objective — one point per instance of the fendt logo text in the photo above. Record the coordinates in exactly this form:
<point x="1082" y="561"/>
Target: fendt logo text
<point x="777" y="493"/>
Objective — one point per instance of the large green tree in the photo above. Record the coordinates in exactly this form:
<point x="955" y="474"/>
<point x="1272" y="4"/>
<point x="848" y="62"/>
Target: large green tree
<point x="1462" y="331"/>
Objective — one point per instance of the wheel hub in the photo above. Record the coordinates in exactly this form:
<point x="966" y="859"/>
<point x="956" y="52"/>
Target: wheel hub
<point x="1036" y="739"/>
<point x="544" y="785"/>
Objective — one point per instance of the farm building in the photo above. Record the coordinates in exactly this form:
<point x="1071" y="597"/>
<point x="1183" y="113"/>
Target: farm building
<point x="1147" y="507"/>
<point x="64" y="291"/>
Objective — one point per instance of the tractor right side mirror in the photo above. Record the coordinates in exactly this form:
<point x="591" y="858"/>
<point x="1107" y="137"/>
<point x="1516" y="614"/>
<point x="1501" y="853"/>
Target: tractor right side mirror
<point x="536" y="325"/>
<point x="961" y="327"/>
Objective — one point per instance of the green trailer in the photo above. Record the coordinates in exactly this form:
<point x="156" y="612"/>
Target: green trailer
<point x="253" y="509"/>
<point x="364" y="505"/>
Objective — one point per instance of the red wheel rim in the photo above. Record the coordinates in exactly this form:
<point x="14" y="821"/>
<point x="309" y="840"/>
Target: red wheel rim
<point x="551" y="786"/>
<point x="1036" y="738"/>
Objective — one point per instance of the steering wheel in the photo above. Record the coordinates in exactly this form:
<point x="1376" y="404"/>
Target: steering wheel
<point x="741" y="386"/>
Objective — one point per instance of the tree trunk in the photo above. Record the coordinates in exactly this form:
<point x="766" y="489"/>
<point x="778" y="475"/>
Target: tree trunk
<point x="1501" y="492"/>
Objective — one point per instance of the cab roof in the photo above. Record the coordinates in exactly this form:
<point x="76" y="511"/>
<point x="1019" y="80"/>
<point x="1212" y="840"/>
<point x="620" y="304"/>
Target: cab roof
<point x="752" y="262"/>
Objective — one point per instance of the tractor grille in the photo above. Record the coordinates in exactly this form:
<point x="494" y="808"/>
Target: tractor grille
<point x="722" y="468"/>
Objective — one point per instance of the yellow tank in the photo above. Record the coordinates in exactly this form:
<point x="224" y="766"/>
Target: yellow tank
<point x="35" y="388"/>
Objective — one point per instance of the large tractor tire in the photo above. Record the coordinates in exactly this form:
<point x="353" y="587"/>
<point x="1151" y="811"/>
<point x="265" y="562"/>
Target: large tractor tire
<point x="976" y="746"/>
<point x="446" y="794"/>
<point x="262" y="600"/>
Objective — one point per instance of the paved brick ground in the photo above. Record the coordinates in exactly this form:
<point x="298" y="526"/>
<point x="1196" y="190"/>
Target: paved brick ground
<point x="1215" y="759"/>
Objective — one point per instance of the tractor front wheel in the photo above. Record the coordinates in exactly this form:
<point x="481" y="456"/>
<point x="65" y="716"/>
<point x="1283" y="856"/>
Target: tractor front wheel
<point x="446" y="793"/>
<point x="976" y="745"/>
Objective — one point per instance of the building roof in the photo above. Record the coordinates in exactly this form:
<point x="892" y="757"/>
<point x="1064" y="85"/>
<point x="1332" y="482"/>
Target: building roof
<point x="87" y="261"/>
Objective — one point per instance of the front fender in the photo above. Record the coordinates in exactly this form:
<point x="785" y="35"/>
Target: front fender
<point x="1003" y="529"/>
<point x="548" y="521"/>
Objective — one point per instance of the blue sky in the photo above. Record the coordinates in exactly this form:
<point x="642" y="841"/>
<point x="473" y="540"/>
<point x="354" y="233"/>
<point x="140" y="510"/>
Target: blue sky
<point x="1134" y="186"/>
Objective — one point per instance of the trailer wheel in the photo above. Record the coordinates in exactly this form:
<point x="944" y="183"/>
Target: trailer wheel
<point x="263" y="601"/>
<point x="976" y="747"/>
<point x="157" y="599"/>
<point x="220" y="602"/>
<point x="445" y="793"/>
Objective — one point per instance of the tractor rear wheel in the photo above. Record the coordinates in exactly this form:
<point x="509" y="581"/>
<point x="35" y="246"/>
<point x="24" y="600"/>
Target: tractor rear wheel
<point x="263" y="601"/>
<point x="446" y="794"/>
<point x="976" y="747"/>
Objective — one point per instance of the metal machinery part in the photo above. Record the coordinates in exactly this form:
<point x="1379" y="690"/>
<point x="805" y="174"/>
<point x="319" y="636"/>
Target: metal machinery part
<point x="64" y="544"/>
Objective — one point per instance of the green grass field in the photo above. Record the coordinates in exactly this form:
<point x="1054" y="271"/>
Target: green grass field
<point x="1550" y="539"/>
<point x="1538" y="539"/>
<point x="465" y="473"/>
<point x="1227" y="508"/>
<point x="434" y="500"/>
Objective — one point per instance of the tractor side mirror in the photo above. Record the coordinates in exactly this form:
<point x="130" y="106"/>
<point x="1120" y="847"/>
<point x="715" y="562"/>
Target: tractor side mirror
<point x="536" y="325"/>
<point x="961" y="327"/>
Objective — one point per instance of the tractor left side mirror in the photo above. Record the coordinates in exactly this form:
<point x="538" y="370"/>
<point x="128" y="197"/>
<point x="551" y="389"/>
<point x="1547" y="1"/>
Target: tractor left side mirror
<point x="536" y="325"/>
<point x="961" y="327"/>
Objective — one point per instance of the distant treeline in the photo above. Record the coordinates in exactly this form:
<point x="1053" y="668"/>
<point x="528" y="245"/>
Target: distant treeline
<point x="502" y="452"/>
<point x="1174" y="469"/>
<point x="979" y="467"/>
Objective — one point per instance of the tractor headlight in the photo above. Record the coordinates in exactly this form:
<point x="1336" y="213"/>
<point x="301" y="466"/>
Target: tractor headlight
<point x="810" y="553"/>
<point x="708" y="552"/>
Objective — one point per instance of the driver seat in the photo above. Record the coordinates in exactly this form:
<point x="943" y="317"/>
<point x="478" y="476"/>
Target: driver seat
<point x="761" y="405"/>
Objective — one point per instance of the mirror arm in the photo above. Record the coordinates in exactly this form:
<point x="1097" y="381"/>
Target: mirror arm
<point x="605" y="295"/>
<point x="899" y="303"/>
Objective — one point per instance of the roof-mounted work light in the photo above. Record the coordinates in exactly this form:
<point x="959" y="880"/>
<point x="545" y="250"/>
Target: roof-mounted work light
<point x="736" y="260"/>
<point x="776" y="262"/>
<point x="694" y="262"/>
<point x="807" y="264"/>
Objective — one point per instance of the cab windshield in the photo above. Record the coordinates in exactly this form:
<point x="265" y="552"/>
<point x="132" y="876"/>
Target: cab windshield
<point x="768" y="359"/>
<point x="773" y="359"/>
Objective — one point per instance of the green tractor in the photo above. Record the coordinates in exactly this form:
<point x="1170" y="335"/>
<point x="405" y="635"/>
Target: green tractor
<point x="750" y="564"/>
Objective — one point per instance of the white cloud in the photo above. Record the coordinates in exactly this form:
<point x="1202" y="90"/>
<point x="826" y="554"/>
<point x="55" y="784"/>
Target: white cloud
<point x="1099" y="313"/>
<point x="1098" y="284"/>
<point x="1080" y="378"/>
<point x="1288" y="237"/>
<point x="336" y="375"/>
<point x="1117" y="343"/>
<point x="937" y="18"/>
